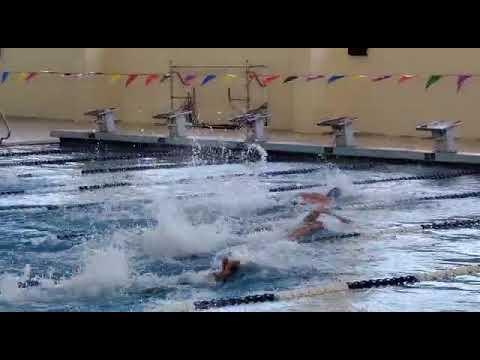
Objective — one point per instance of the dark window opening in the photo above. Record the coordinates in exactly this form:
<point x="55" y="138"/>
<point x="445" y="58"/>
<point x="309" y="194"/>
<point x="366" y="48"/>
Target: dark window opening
<point x="358" y="51"/>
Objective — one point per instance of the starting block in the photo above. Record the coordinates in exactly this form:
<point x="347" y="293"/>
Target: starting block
<point x="105" y="119"/>
<point x="342" y="130"/>
<point x="443" y="132"/>
<point x="177" y="123"/>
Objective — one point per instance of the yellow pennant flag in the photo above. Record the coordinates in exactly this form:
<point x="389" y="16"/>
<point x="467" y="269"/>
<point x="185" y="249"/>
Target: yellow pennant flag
<point x="22" y="76"/>
<point x="115" y="78"/>
<point x="230" y="76"/>
<point x="355" y="77"/>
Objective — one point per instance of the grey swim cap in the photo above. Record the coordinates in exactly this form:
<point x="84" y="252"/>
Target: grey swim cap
<point x="335" y="193"/>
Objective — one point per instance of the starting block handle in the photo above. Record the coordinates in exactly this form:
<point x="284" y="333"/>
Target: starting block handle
<point x="100" y="112"/>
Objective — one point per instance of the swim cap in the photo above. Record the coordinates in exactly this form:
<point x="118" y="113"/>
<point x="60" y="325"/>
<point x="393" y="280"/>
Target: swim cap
<point x="335" y="193"/>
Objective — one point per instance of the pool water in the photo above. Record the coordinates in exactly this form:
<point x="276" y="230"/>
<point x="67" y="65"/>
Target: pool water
<point x="151" y="245"/>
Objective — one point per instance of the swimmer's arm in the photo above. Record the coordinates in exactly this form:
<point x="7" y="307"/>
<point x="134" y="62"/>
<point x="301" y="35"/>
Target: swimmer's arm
<point x="341" y="218"/>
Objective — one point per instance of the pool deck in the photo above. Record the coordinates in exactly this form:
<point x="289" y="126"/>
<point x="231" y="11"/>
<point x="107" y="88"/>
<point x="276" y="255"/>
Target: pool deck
<point x="35" y="131"/>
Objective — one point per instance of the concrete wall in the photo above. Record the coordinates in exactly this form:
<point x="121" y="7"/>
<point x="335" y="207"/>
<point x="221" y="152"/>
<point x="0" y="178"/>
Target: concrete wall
<point x="385" y="107"/>
<point x="389" y="108"/>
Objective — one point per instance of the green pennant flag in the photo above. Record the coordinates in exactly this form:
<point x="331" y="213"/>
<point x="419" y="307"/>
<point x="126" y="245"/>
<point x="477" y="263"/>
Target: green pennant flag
<point x="432" y="80"/>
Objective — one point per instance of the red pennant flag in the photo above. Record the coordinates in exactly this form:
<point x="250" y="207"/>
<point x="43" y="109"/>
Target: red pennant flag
<point x="31" y="76"/>
<point x="131" y="79"/>
<point x="268" y="79"/>
<point x="405" y="77"/>
<point x="314" y="77"/>
<point x="151" y="78"/>
<point x="254" y="76"/>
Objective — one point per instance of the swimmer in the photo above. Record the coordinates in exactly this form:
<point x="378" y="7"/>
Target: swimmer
<point x="322" y="203"/>
<point x="229" y="268"/>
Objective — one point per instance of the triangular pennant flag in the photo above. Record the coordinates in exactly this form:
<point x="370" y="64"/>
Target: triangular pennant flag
<point x="432" y="80"/>
<point x="230" y="76"/>
<point x="131" y="78"/>
<point x="290" y="78"/>
<point x="189" y="79"/>
<point x="405" y="77"/>
<point x="334" y="78"/>
<point x="31" y="76"/>
<point x="314" y="77"/>
<point x="381" y="78"/>
<point x="115" y="77"/>
<point x="72" y="75"/>
<point x="356" y="77"/>
<point x="5" y="76"/>
<point x="22" y="76"/>
<point x="254" y="76"/>
<point x="165" y="77"/>
<point x="461" y="80"/>
<point x="267" y="79"/>
<point x="208" y="78"/>
<point x="150" y="78"/>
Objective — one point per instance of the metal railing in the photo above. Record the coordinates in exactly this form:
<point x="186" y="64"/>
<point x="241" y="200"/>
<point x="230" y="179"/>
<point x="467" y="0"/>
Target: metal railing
<point x="4" y="120"/>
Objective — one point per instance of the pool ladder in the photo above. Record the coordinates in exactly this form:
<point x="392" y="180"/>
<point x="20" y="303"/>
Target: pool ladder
<point x="4" y="120"/>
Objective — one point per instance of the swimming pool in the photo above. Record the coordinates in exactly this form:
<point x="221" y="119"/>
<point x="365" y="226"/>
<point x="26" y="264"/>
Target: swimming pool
<point x="145" y="237"/>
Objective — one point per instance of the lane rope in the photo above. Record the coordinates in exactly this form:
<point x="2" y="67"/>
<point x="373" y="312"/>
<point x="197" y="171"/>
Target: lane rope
<point x="296" y="294"/>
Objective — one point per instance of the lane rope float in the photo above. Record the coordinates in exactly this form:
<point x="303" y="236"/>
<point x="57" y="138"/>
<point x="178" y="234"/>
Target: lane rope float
<point x="439" y="176"/>
<point x="289" y="295"/>
<point x="31" y="153"/>
<point x="378" y="205"/>
<point x="83" y="159"/>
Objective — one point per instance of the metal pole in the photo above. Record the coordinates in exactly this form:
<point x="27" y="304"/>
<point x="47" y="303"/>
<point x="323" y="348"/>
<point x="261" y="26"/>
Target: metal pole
<point x="171" y="85"/>
<point x="247" y="86"/>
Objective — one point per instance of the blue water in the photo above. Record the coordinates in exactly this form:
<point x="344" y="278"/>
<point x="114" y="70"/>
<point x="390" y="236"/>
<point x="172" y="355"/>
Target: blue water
<point x="152" y="246"/>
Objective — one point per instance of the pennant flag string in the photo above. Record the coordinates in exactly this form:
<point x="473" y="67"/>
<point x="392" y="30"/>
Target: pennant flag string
<point x="263" y="80"/>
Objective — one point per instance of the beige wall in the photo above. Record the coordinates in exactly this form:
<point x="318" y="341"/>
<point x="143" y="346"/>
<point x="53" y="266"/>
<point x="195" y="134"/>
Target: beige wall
<point x="382" y="107"/>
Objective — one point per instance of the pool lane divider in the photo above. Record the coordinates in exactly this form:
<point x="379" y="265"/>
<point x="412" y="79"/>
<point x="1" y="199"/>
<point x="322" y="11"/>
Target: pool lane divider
<point x="264" y="174"/>
<point x="473" y="194"/>
<point x="32" y="153"/>
<point x="439" y="176"/>
<point x="84" y="159"/>
<point x="15" y="192"/>
<point x="169" y="166"/>
<point x="297" y="294"/>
